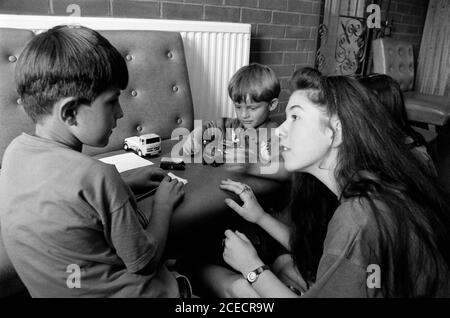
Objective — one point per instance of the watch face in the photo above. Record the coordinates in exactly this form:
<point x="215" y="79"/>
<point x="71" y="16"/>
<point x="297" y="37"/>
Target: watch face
<point x="251" y="277"/>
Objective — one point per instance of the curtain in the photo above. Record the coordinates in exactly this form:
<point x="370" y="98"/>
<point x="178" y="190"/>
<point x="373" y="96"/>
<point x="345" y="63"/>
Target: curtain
<point x="433" y="72"/>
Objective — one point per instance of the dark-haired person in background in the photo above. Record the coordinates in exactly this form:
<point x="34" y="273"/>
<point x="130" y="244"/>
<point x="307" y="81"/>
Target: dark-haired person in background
<point x="390" y="95"/>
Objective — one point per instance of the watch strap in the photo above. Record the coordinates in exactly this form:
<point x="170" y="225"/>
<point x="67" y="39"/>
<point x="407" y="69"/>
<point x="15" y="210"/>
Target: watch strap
<point x="254" y="274"/>
<point x="261" y="269"/>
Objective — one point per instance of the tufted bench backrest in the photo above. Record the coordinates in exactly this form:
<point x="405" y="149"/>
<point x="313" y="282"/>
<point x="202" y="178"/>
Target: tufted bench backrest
<point x="396" y="59"/>
<point x="157" y="99"/>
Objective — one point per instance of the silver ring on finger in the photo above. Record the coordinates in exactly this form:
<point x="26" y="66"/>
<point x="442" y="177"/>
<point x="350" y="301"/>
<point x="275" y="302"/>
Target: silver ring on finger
<point x="246" y="188"/>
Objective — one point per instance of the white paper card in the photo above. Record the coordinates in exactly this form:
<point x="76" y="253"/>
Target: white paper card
<point x="126" y="161"/>
<point x="170" y="174"/>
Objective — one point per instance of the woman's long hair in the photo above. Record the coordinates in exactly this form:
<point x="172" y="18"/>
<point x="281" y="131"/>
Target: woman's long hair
<point x="312" y="206"/>
<point x="375" y="165"/>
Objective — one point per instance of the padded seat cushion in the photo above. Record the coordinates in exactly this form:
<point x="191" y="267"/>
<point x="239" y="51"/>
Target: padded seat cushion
<point x="395" y="58"/>
<point x="431" y="109"/>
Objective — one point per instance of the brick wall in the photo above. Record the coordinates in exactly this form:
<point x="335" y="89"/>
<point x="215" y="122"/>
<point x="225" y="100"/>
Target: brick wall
<point x="283" y="35"/>
<point x="408" y="18"/>
<point x="283" y="31"/>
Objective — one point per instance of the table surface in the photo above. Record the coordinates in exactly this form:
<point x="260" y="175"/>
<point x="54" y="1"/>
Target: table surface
<point x="203" y="207"/>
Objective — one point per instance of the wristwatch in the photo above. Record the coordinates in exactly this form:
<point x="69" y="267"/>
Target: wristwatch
<point x="253" y="275"/>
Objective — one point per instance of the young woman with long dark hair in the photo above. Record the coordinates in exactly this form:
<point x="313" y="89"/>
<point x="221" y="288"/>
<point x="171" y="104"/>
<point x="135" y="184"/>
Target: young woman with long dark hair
<point x="390" y="232"/>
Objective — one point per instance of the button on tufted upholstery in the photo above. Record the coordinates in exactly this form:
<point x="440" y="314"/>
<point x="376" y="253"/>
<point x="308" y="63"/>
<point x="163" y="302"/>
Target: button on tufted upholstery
<point x="396" y="59"/>
<point x="149" y="105"/>
<point x="13" y="120"/>
<point x="158" y="89"/>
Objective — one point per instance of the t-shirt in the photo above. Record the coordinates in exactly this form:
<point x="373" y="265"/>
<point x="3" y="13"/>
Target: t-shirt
<point x="71" y="226"/>
<point x="349" y="266"/>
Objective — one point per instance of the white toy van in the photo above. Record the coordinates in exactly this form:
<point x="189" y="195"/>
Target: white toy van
<point x="148" y="144"/>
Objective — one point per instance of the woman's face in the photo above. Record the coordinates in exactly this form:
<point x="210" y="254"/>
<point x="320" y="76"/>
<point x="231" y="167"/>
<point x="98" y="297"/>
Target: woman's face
<point x="305" y="136"/>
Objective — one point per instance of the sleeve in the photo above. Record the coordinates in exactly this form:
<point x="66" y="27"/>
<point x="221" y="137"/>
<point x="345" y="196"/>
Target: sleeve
<point x="124" y="224"/>
<point x="132" y="243"/>
<point x="338" y="277"/>
<point x="342" y="268"/>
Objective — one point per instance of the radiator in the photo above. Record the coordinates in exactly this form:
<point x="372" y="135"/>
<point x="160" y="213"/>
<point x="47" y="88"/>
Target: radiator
<point x="214" y="51"/>
<point x="212" y="59"/>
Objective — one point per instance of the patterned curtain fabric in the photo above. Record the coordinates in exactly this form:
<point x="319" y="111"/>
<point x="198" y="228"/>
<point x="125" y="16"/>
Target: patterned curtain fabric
<point x="433" y="73"/>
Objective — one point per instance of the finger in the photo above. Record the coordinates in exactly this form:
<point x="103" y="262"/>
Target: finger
<point x="166" y="179"/>
<point x="229" y="181"/>
<point x="242" y="236"/>
<point x="229" y="233"/>
<point x="231" y="187"/>
<point x="233" y="205"/>
<point x="179" y="186"/>
<point x="247" y="191"/>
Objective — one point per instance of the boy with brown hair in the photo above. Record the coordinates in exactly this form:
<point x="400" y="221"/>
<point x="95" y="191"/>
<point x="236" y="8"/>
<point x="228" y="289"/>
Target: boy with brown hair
<point x="254" y="90"/>
<point x="71" y="226"/>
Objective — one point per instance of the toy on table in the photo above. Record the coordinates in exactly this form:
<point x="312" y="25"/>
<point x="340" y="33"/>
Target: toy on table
<point x="172" y="164"/>
<point x="214" y="157"/>
<point x="148" y="144"/>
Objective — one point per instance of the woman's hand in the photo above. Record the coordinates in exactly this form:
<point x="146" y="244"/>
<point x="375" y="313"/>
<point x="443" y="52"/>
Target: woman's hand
<point x="170" y="192"/>
<point x="250" y="210"/>
<point x="239" y="252"/>
<point x="144" y="178"/>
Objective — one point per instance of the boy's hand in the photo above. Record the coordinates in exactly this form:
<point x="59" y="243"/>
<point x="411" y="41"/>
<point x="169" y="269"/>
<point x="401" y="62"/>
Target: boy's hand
<point x="144" y="178"/>
<point x="250" y="210"/>
<point x="170" y="192"/>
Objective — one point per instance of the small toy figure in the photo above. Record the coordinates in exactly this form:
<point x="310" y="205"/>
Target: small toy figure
<point x="214" y="157"/>
<point x="148" y="144"/>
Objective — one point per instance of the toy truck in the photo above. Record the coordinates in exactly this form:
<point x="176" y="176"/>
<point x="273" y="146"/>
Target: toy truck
<point x="148" y="144"/>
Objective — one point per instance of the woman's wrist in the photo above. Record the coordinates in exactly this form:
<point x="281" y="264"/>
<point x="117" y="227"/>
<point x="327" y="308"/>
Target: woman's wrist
<point x="262" y="218"/>
<point x="252" y="265"/>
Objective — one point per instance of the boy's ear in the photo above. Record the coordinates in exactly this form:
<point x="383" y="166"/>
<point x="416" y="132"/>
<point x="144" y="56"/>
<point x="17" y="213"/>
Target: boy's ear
<point x="273" y="104"/>
<point x="67" y="110"/>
